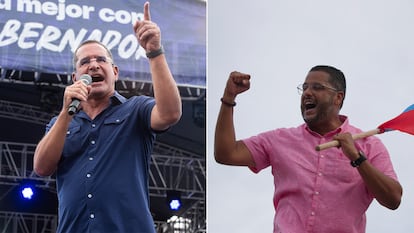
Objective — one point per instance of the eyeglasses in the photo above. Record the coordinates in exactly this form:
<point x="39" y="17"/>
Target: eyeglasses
<point x="314" y="87"/>
<point x="99" y="59"/>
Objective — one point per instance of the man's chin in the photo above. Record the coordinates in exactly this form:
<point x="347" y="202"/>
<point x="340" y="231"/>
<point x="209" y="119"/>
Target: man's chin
<point x="309" y="119"/>
<point x="97" y="83"/>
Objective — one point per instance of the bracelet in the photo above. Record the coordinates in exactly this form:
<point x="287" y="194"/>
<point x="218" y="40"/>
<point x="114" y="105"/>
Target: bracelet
<point x="227" y="103"/>
<point x="155" y="53"/>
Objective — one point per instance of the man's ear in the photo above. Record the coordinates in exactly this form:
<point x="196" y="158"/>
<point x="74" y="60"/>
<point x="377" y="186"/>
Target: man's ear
<point x="73" y="77"/>
<point x="116" y="72"/>
<point x="340" y="98"/>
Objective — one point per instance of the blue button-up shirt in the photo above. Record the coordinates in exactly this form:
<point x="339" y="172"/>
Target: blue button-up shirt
<point x="102" y="176"/>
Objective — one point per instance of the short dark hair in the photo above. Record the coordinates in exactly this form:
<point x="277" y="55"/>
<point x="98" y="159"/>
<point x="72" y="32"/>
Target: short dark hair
<point x="336" y="78"/>
<point x="75" y="58"/>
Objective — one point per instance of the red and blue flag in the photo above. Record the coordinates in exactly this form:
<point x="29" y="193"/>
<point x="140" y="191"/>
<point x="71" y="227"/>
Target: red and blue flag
<point x="403" y="122"/>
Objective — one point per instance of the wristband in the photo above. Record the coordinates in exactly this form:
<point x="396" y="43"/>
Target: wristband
<point x="357" y="162"/>
<point x="155" y="53"/>
<point x="227" y="103"/>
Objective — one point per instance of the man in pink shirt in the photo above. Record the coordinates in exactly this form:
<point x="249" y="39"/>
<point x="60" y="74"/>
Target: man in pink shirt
<point x="315" y="191"/>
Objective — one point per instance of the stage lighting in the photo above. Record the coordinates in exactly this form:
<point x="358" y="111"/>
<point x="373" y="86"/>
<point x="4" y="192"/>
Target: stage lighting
<point x="27" y="192"/>
<point x="174" y="199"/>
<point x="177" y="225"/>
<point x="175" y="204"/>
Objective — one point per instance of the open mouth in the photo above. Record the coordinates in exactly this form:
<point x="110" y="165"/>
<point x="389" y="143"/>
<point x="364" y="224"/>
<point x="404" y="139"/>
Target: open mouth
<point x="309" y="106"/>
<point x="97" y="79"/>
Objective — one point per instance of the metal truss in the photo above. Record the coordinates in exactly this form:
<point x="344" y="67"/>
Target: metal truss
<point x="126" y="86"/>
<point x="27" y="223"/>
<point x="132" y="87"/>
<point x="173" y="168"/>
<point x="24" y="112"/>
<point x="170" y="169"/>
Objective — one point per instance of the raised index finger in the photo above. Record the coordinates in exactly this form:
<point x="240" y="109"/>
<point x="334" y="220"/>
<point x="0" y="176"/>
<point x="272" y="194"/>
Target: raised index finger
<point x="147" y="15"/>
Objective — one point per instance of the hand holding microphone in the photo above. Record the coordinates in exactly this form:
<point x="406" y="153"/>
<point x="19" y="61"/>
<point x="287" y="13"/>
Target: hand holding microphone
<point x="74" y="105"/>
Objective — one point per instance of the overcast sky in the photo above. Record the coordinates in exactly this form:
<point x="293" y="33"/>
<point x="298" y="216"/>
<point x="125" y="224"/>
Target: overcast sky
<point x="277" y="42"/>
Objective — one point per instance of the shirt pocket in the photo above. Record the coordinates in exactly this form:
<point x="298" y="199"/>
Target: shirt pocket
<point x="73" y="142"/>
<point x="115" y="125"/>
<point x="342" y="170"/>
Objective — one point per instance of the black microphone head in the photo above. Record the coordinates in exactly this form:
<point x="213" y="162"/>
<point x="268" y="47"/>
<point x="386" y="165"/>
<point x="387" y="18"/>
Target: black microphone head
<point x="86" y="78"/>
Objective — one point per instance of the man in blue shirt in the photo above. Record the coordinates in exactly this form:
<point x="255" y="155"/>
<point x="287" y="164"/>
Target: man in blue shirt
<point x="101" y="155"/>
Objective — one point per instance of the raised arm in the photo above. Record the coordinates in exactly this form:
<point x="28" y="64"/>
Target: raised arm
<point x="226" y="149"/>
<point x="167" y="110"/>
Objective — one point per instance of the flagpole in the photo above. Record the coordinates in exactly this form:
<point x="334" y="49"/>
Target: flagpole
<point x="335" y="143"/>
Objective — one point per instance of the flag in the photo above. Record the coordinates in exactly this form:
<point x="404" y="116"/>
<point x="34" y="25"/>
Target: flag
<point x="403" y="122"/>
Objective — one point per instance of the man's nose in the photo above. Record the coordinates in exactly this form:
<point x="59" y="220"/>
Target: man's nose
<point x="93" y="64"/>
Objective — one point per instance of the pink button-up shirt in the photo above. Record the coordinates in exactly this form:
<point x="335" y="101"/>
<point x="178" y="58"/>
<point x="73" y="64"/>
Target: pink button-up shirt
<point x="316" y="191"/>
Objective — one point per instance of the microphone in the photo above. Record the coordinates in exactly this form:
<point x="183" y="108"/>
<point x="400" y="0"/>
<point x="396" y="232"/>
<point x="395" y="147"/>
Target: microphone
<point x="73" y="107"/>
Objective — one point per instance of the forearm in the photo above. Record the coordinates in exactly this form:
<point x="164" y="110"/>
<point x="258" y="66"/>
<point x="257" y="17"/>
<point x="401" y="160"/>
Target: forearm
<point x="167" y="96"/>
<point x="49" y="149"/>
<point x="386" y="190"/>
<point x="227" y="150"/>
<point x="224" y="138"/>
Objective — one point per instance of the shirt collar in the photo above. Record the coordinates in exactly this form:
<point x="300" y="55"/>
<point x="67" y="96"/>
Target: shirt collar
<point x="117" y="99"/>
<point x="341" y="128"/>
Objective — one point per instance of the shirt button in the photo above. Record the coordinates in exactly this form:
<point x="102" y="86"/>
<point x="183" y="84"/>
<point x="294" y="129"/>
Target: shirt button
<point x="312" y="213"/>
<point x="90" y="158"/>
<point x="88" y="175"/>
<point x="117" y="120"/>
<point x="93" y="125"/>
<point x="93" y="142"/>
<point x="319" y="174"/>
<point x="89" y="195"/>
<point x="316" y="192"/>
<point x="92" y="216"/>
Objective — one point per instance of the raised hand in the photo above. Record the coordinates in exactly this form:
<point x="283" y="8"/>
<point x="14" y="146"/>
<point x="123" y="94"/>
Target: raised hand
<point x="78" y="90"/>
<point x="237" y="83"/>
<point x="147" y="32"/>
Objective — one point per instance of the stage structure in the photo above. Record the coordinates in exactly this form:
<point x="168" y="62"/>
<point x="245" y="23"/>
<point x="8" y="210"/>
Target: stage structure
<point x="171" y="169"/>
<point x="37" y="40"/>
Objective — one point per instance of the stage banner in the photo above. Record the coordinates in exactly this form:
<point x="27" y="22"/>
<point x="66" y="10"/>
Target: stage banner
<point x="41" y="36"/>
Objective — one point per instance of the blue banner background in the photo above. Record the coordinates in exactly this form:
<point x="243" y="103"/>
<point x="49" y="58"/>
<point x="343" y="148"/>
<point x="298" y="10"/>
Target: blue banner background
<point x="36" y="36"/>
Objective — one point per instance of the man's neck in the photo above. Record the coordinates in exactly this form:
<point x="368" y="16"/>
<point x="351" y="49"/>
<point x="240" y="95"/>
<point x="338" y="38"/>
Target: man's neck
<point x="325" y="127"/>
<point x="95" y="105"/>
